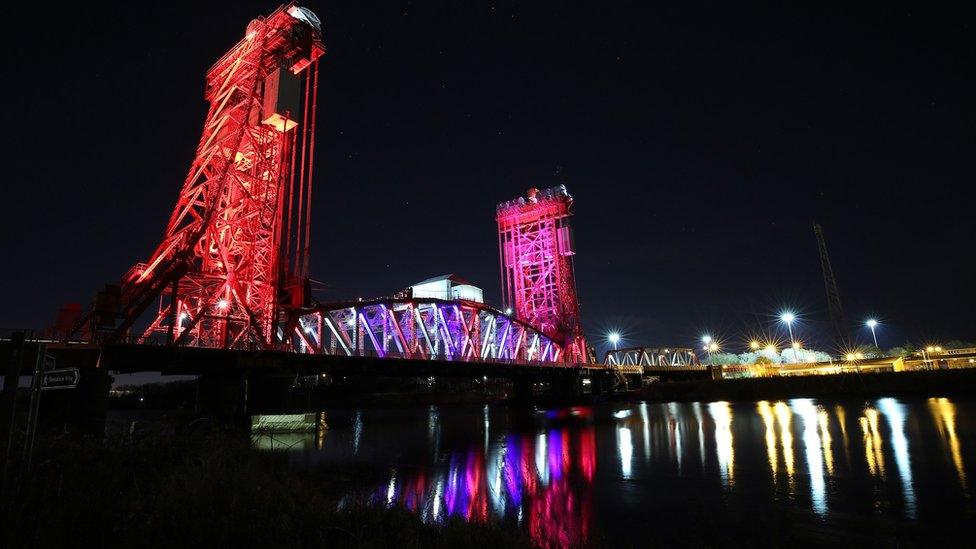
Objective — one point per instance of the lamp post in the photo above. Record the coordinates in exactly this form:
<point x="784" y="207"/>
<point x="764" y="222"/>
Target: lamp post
<point x="788" y="317"/>
<point x="707" y="340"/>
<point x="871" y="323"/>
<point x="613" y="338"/>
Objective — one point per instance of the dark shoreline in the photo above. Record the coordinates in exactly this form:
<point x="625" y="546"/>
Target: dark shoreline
<point x="839" y="386"/>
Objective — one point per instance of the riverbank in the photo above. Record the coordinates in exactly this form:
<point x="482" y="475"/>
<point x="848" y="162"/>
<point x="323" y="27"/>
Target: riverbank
<point x="208" y="487"/>
<point x="925" y="383"/>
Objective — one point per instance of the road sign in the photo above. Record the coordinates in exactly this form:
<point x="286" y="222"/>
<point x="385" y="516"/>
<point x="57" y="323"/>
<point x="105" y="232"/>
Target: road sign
<point x="60" y="379"/>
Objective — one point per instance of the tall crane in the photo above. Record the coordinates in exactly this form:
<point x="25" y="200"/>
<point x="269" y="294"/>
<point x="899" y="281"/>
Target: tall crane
<point x="834" y="308"/>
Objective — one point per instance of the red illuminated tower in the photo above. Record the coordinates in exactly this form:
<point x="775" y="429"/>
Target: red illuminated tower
<point x="536" y="252"/>
<point x="235" y="252"/>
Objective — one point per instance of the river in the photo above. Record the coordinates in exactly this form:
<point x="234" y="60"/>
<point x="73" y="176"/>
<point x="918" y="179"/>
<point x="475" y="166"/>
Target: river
<point x="769" y="472"/>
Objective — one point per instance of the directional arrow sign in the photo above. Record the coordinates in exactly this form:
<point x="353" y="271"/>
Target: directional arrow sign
<point x="60" y="379"/>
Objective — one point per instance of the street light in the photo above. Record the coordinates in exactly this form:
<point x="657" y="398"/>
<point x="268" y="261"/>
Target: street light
<point x="613" y="338"/>
<point x="871" y="323"/>
<point x="788" y="317"/>
<point x="754" y="345"/>
<point x="707" y="340"/>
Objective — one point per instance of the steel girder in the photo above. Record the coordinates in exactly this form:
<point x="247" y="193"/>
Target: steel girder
<point x="652" y="357"/>
<point x="423" y="329"/>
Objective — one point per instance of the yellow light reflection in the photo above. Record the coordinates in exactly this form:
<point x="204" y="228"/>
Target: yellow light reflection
<point x="321" y="428"/>
<point x="842" y="419"/>
<point x="944" y="412"/>
<point x="872" y="441"/>
<point x="824" y="420"/>
<point x="784" y="416"/>
<point x="721" y="414"/>
<point x="766" y="412"/>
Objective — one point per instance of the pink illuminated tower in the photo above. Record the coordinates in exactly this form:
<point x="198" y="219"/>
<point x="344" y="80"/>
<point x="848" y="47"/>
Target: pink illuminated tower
<point x="536" y="252"/>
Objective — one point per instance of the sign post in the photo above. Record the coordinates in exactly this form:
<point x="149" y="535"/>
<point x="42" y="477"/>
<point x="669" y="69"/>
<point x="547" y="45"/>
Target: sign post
<point x="35" y="403"/>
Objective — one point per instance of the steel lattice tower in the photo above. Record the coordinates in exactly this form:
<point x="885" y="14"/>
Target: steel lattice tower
<point x="235" y="252"/>
<point x="834" y="309"/>
<point x="536" y="253"/>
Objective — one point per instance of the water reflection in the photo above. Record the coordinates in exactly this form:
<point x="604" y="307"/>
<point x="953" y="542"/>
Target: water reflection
<point x="674" y="433"/>
<point x="357" y="431"/>
<point x="772" y="457"/>
<point x="872" y="441"/>
<point x="823" y="420"/>
<point x="696" y="408"/>
<point x="944" y="413"/>
<point x="785" y="417"/>
<point x="721" y="414"/>
<point x="626" y="450"/>
<point x="542" y="470"/>
<point x="542" y="480"/>
<point x="812" y="443"/>
<point x="895" y="414"/>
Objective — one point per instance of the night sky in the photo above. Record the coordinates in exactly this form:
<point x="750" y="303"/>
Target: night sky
<point x="700" y="143"/>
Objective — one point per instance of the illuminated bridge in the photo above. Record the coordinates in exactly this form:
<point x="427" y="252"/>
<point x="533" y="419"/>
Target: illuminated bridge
<point x="653" y="359"/>
<point x="227" y="291"/>
<point x="422" y="328"/>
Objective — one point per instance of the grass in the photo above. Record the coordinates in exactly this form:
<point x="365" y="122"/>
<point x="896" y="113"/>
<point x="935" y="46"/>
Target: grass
<point x="208" y="489"/>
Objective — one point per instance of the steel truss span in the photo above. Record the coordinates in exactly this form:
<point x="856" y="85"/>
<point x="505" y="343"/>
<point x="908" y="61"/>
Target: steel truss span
<point x="652" y="357"/>
<point x="423" y="329"/>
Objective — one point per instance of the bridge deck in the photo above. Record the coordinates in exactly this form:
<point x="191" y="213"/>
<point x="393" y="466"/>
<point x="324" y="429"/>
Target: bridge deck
<point x="128" y="358"/>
